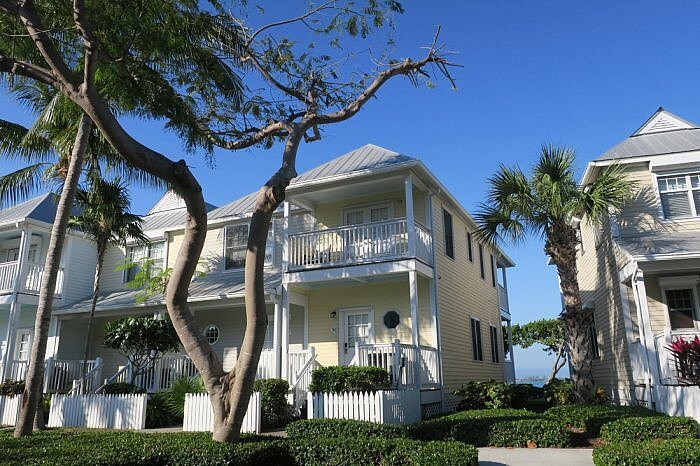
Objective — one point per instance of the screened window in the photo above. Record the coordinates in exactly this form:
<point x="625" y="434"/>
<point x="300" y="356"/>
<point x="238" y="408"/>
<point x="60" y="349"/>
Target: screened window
<point x="470" y="252"/>
<point x="481" y="261"/>
<point x="681" y="306"/>
<point x="495" y="353"/>
<point x="477" y="351"/>
<point x="449" y="234"/>
<point x="680" y="195"/>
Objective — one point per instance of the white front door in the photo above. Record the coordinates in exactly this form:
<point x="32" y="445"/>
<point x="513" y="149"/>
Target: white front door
<point x="356" y="326"/>
<point x="23" y="347"/>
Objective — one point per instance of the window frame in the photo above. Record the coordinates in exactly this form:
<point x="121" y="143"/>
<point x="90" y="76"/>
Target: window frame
<point x="470" y="247"/>
<point x="367" y="210"/>
<point x="593" y="337"/>
<point x="494" y="280"/>
<point x="448" y="236"/>
<point x="695" y="210"/>
<point x="482" y="266"/>
<point x="495" y="354"/>
<point x="130" y="273"/>
<point x="478" y="342"/>
<point x="218" y="333"/>
<point x="269" y="242"/>
<point x="681" y="285"/>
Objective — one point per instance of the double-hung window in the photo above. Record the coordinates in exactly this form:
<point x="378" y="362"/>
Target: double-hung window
<point x="470" y="251"/>
<point x="477" y="351"/>
<point x="481" y="261"/>
<point x="137" y="254"/>
<point x="593" y="334"/>
<point x="681" y="308"/>
<point x="680" y="195"/>
<point x="236" y="246"/>
<point x="449" y="234"/>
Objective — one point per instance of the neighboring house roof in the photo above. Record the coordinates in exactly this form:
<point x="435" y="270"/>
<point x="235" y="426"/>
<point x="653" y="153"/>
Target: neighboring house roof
<point x="236" y="208"/>
<point x="662" y="243"/>
<point x="662" y="133"/>
<point x="168" y="212"/>
<point x="213" y="286"/>
<point x="41" y="208"/>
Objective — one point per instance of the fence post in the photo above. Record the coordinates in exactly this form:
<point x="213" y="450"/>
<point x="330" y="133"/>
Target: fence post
<point x="48" y="373"/>
<point x="98" y="373"/>
<point x="396" y="364"/>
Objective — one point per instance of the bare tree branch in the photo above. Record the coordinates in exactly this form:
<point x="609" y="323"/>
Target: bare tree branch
<point x="277" y="128"/>
<point x="288" y="21"/>
<point x="271" y="79"/>
<point x="28" y="70"/>
<point x="89" y="42"/>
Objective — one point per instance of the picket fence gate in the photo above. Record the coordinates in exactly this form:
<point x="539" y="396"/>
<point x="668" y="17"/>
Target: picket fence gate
<point x="9" y="409"/>
<point x="200" y="418"/>
<point x="123" y="412"/>
<point x="382" y="407"/>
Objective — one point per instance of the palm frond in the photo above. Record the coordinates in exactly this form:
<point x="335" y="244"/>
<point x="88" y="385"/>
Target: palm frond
<point x="496" y="223"/>
<point x="610" y="191"/>
<point x="18" y="142"/>
<point x="22" y="184"/>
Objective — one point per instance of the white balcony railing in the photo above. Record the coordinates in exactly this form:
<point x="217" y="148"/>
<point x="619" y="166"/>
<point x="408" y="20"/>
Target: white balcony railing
<point x="503" y="298"/>
<point x="667" y="362"/>
<point x="400" y="359"/>
<point x="357" y="244"/>
<point x="32" y="277"/>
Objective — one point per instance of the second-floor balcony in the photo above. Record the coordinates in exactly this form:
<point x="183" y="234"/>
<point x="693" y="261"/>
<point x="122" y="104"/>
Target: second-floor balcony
<point x="359" y="244"/>
<point x="29" y="281"/>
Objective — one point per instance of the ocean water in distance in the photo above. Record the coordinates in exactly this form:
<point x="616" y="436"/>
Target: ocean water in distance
<point x="534" y="382"/>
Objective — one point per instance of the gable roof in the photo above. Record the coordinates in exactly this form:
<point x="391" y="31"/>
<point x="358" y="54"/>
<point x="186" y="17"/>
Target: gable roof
<point x="41" y="208"/>
<point x="662" y="133"/>
<point x="366" y="158"/>
<point x="169" y="211"/>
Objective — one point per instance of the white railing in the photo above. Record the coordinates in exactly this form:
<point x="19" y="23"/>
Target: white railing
<point x="8" y="275"/>
<point x="266" y="365"/>
<point x="33" y="280"/>
<point x="18" y="370"/>
<point x="667" y="362"/>
<point x="98" y="411"/>
<point x="60" y="374"/>
<point x="382" y="407"/>
<point x="301" y="377"/>
<point x="164" y="372"/>
<point x="356" y="244"/>
<point x="400" y="359"/>
<point x="503" y="298"/>
<point x="200" y="418"/>
<point x="9" y="409"/>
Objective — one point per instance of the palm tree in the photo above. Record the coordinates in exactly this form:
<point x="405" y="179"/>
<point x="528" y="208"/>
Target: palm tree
<point x="545" y="204"/>
<point x="105" y="219"/>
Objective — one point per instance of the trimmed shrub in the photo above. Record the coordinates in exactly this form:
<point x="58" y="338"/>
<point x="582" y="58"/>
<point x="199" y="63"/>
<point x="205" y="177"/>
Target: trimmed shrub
<point x="380" y="451"/>
<point x="110" y="448"/>
<point x="121" y="388"/>
<point x="592" y="418"/>
<point x="673" y="452"/>
<point x="273" y="398"/>
<point x="649" y="428"/>
<point x="560" y="392"/>
<point x="480" y="395"/>
<point x="338" y="379"/>
<point x="524" y="395"/>
<point x="495" y="427"/>
<point x="11" y="387"/>
<point x="312" y="429"/>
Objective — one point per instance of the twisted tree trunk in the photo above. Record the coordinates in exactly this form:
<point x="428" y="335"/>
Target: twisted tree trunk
<point x="35" y="374"/>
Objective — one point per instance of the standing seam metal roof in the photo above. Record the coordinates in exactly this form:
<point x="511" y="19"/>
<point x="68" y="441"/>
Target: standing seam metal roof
<point x="41" y="208"/>
<point x="668" y="142"/>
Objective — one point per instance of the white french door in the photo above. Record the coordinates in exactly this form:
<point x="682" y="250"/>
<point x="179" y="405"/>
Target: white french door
<point x="23" y="348"/>
<point x="356" y="326"/>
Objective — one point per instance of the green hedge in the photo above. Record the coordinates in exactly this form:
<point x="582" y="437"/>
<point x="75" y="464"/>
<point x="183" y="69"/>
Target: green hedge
<point x="496" y="427"/>
<point x="342" y="428"/>
<point x="273" y="398"/>
<point x="110" y="448"/>
<point x="337" y="379"/>
<point x="650" y="428"/>
<point x="674" y="452"/>
<point x="379" y="451"/>
<point x="592" y="418"/>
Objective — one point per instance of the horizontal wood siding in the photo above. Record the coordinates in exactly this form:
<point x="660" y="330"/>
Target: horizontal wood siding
<point x="464" y="294"/>
<point x="79" y="270"/>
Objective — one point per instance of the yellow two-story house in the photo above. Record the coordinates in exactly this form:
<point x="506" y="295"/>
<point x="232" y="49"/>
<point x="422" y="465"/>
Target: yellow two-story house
<point x="370" y="261"/>
<point x="640" y="272"/>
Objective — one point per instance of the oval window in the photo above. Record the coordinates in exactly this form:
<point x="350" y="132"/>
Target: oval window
<point x="212" y="334"/>
<point x="391" y="319"/>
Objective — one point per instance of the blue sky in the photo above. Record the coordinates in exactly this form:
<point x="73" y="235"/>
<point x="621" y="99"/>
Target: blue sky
<point x="582" y="74"/>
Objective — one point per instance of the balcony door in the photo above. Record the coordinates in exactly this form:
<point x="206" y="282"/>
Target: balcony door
<point x="365" y="242"/>
<point x="356" y="326"/>
<point x="23" y="348"/>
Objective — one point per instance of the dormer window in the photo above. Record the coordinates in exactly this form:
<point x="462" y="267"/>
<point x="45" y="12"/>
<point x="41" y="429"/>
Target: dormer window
<point x="680" y="195"/>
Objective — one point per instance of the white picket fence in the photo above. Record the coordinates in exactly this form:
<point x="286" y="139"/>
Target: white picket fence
<point x="98" y="411"/>
<point x="9" y="409"/>
<point x="382" y="407"/>
<point x="200" y="418"/>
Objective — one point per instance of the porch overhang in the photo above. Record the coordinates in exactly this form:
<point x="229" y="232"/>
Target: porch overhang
<point x="359" y="272"/>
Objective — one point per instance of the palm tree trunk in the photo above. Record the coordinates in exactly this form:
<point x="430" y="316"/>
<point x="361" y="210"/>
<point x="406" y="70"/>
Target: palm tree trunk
<point x="101" y="248"/>
<point x="35" y="374"/>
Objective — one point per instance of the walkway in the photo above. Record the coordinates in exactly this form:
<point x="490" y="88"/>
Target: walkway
<point x="535" y="456"/>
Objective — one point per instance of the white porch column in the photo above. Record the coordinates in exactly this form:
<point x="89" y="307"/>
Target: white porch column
<point x="15" y="307"/>
<point x="276" y="321"/>
<point x="284" y="373"/>
<point x="410" y="215"/>
<point x="651" y="355"/>
<point x="54" y="335"/>
<point x="413" y="296"/>
<point x="285" y="238"/>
